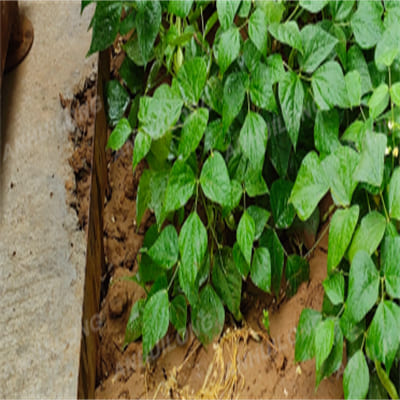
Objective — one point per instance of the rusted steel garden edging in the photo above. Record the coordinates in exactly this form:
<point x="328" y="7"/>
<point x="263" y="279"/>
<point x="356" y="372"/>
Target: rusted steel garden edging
<point x="95" y="262"/>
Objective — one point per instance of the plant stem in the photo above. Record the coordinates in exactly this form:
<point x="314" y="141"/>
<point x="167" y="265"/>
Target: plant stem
<point x="293" y="13"/>
<point x="173" y="276"/>
<point x="369" y="205"/>
<point x="317" y="242"/>
<point x="287" y="66"/>
<point x="362" y="113"/>
<point x="384" y="207"/>
<point x="197" y="195"/>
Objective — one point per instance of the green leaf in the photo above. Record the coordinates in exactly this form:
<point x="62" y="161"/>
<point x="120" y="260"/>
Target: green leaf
<point x="159" y="113"/>
<point x="372" y="160"/>
<point x="383" y="338"/>
<point x="313" y="6"/>
<point x="260" y="217"/>
<point x="261" y="269"/>
<point x="233" y="97"/>
<point x="270" y="240"/>
<point x="317" y="45"/>
<point x="132" y="75"/>
<point x="305" y="334"/>
<point x="208" y="316"/>
<point x="180" y="8"/>
<point x="155" y="321"/>
<point x="391" y="265"/>
<point x="394" y="194"/>
<point x="395" y="93"/>
<point x="245" y="235"/>
<point x="287" y="33"/>
<point x="192" y="254"/>
<point x="192" y="132"/>
<point x="213" y="94"/>
<point x="132" y="50"/>
<point x="388" y="47"/>
<point x="143" y="197"/>
<point x="323" y="341"/>
<point x="297" y="271"/>
<point x="310" y="186"/>
<point x="215" y="138"/>
<point x="327" y="95"/>
<point x="164" y="251"/>
<point x="228" y="48"/>
<point x="193" y="250"/>
<point x="241" y="264"/>
<point x="215" y="181"/>
<point x="178" y="315"/>
<point x="226" y="12"/>
<point x="366" y="23"/>
<point x="105" y="24"/>
<point x="258" y="31"/>
<point x="291" y="97"/>
<point x="353" y="86"/>
<point x="379" y="100"/>
<point x="341" y="45"/>
<point x="356" y="62"/>
<point x="157" y="186"/>
<point x="133" y="112"/>
<point x="376" y="389"/>
<point x="244" y="8"/>
<point x="334" y="288"/>
<point x="341" y="9"/>
<point x="253" y="139"/>
<point x="119" y="135"/>
<point x="339" y="168"/>
<point x="326" y="131"/>
<point x="141" y="148"/>
<point x="341" y="231"/>
<point x="279" y="149"/>
<point x="355" y="133"/>
<point x="192" y="77"/>
<point x="148" y="20"/>
<point x="180" y="188"/>
<point x="356" y="377"/>
<point x="369" y="234"/>
<point x="275" y="65"/>
<point x="273" y="10"/>
<point x="283" y="212"/>
<point x="363" y="286"/>
<point x="135" y="322"/>
<point x="389" y="387"/>
<point x="334" y="361"/>
<point x="261" y="91"/>
<point x="227" y="281"/>
<point x="117" y="100"/>
<point x="251" y="55"/>
<point x="254" y="183"/>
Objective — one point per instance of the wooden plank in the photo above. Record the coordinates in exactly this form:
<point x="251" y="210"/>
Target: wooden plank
<point x="95" y="263"/>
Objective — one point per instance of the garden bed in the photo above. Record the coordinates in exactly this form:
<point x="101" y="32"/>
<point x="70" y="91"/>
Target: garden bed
<point x="245" y="362"/>
<point x="237" y="136"/>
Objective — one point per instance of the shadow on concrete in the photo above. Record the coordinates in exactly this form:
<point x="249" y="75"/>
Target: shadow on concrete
<point x="8" y="91"/>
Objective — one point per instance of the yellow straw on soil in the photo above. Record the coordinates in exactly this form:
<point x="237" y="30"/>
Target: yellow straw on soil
<point x="223" y="379"/>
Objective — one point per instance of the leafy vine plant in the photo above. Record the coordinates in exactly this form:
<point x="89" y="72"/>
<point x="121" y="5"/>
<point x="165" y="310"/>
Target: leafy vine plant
<point x="201" y="91"/>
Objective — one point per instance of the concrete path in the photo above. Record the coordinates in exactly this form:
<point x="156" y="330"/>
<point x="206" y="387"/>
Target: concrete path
<point x="42" y="253"/>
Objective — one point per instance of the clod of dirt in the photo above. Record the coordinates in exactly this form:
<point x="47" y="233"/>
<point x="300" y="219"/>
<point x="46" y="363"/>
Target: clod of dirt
<point x="117" y="303"/>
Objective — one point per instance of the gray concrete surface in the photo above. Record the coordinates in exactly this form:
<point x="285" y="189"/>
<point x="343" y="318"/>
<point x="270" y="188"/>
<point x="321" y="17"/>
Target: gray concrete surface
<point x="42" y="253"/>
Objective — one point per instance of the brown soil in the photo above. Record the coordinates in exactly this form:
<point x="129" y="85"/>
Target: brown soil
<point x="244" y="363"/>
